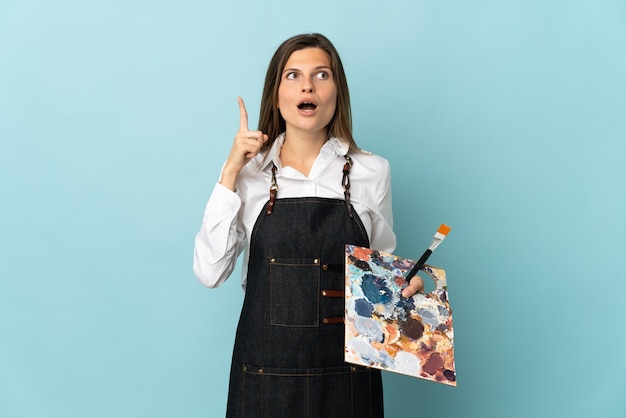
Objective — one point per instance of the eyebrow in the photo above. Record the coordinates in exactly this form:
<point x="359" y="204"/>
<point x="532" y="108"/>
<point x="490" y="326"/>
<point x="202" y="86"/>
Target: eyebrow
<point x="321" y="67"/>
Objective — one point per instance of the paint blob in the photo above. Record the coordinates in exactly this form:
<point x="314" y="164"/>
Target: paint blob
<point x="412" y="328"/>
<point x="375" y="290"/>
<point x="363" y="307"/>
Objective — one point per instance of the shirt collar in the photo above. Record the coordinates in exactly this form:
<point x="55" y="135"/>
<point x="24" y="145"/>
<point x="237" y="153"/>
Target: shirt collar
<point x="334" y="146"/>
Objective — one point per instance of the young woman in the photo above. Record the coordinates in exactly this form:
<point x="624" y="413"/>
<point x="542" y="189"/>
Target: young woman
<point x="290" y="196"/>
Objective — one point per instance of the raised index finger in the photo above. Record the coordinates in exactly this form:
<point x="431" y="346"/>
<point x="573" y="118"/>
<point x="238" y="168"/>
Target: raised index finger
<point x="243" y="116"/>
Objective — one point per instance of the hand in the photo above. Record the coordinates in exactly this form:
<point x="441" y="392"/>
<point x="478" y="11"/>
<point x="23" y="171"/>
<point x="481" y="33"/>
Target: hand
<point x="415" y="285"/>
<point x="247" y="145"/>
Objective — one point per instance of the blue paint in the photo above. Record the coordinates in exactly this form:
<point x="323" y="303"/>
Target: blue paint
<point x="363" y="308"/>
<point x="375" y="290"/>
<point x="428" y="317"/>
<point x="405" y="305"/>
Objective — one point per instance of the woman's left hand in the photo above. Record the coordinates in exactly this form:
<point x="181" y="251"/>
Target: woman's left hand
<point x="415" y="285"/>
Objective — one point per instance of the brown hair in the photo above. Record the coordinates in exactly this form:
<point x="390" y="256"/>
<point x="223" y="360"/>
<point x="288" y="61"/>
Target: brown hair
<point x="270" y="120"/>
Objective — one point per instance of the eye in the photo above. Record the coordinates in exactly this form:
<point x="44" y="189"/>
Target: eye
<point x="323" y="75"/>
<point x="291" y="75"/>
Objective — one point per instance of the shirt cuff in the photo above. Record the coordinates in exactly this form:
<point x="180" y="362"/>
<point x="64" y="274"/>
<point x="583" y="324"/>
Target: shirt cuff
<point x="223" y="202"/>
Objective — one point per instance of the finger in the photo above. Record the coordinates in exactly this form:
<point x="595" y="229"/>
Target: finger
<point x="243" y="116"/>
<point x="416" y="285"/>
<point x="250" y="142"/>
<point x="258" y="145"/>
<point x="253" y="135"/>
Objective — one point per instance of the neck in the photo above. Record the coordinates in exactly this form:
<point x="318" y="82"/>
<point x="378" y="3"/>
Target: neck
<point x="299" y="150"/>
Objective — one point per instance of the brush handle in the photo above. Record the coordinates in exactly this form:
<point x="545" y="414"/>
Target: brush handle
<point x="418" y="265"/>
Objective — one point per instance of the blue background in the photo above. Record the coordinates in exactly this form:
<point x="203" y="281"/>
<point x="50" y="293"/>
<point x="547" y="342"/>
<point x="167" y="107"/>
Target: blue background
<point x="504" y="119"/>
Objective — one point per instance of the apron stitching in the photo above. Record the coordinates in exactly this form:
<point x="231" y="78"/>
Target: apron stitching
<point x="243" y="393"/>
<point x="351" y="394"/>
<point x="370" y="382"/>
<point x="308" y="395"/>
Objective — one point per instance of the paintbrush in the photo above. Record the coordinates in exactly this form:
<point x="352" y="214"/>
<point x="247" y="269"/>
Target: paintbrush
<point x="440" y="235"/>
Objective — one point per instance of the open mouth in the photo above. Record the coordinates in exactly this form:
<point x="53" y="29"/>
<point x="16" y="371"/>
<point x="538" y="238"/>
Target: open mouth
<point x="307" y="106"/>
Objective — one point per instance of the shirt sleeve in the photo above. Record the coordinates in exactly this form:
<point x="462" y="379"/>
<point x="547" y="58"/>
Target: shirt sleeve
<point x="221" y="237"/>
<point x="383" y="238"/>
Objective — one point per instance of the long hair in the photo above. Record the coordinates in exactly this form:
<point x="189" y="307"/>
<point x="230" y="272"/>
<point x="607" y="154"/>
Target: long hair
<point x="270" y="120"/>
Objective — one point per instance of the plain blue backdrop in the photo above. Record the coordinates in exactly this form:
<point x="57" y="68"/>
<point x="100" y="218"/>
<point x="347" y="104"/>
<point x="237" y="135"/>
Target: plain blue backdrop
<point x="504" y="119"/>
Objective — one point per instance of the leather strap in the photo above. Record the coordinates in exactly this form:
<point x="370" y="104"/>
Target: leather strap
<point x="333" y="293"/>
<point x="333" y="267"/>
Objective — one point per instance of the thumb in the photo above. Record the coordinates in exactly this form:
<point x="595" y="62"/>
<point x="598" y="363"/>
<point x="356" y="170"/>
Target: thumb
<point x="416" y="285"/>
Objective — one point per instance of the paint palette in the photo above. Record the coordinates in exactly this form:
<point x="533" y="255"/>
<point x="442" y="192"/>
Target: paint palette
<point x="411" y="336"/>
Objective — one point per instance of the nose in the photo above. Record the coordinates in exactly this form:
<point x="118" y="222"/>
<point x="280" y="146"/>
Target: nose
<point x="307" y="86"/>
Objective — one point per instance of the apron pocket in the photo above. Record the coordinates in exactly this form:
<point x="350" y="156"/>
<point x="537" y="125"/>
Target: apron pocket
<point x="294" y="292"/>
<point x="274" y="392"/>
<point x="332" y="392"/>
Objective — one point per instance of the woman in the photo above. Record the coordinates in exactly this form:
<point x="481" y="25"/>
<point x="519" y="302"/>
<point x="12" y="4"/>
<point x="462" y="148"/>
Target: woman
<point x="285" y="199"/>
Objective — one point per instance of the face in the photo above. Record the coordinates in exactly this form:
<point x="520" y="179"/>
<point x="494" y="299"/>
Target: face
<point x="307" y="94"/>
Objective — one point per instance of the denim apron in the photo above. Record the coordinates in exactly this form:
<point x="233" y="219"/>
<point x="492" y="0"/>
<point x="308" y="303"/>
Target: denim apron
<point x="288" y="359"/>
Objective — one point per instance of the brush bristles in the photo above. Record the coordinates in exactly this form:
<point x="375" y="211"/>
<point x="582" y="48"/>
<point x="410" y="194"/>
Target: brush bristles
<point x="440" y="235"/>
<point x="443" y="229"/>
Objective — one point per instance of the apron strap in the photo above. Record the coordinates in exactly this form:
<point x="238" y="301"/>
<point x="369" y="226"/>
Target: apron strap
<point x="345" y="182"/>
<point x="273" y="190"/>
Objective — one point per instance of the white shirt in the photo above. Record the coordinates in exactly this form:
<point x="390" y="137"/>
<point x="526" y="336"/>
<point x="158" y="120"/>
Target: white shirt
<point x="230" y="216"/>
